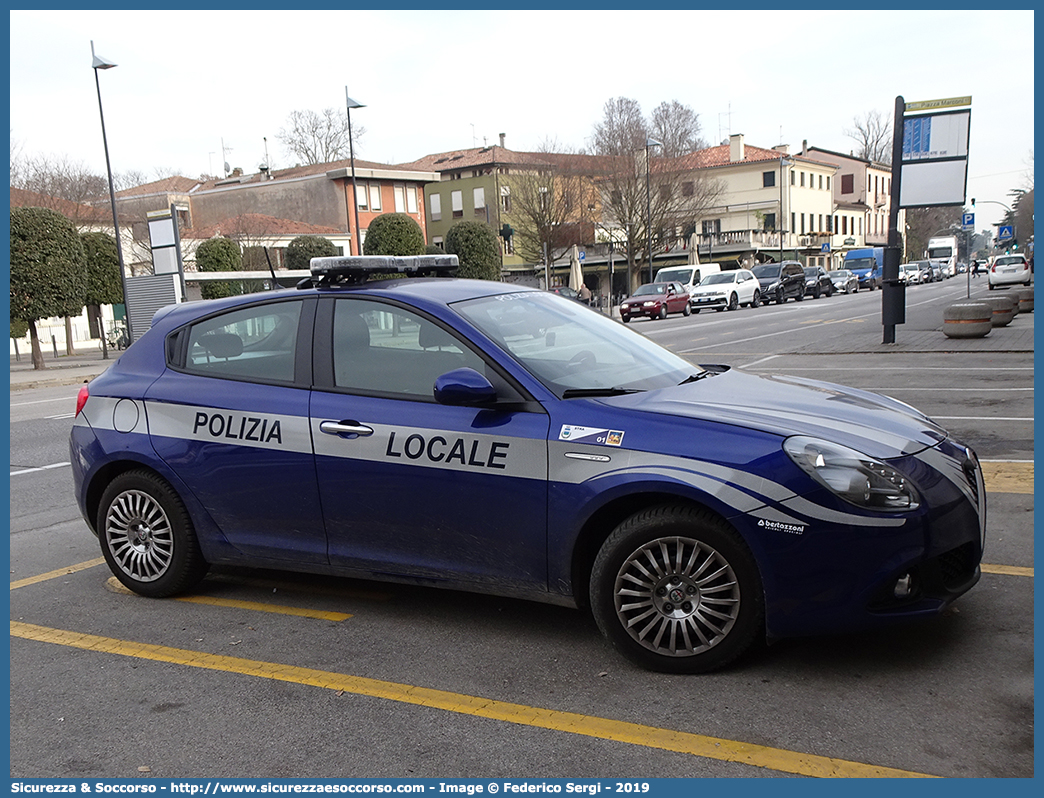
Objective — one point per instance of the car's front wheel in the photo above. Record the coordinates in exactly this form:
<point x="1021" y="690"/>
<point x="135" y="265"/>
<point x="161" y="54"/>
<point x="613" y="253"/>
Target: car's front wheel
<point x="756" y="299"/>
<point x="675" y="589"/>
<point x="686" y="310"/>
<point x="733" y="301"/>
<point x="147" y="537"/>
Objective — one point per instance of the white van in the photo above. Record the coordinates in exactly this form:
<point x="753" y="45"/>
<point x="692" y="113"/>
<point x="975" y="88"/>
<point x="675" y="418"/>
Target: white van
<point x="689" y="275"/>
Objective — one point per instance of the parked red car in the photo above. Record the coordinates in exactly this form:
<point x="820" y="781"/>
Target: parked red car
<point x="656" y="300"/>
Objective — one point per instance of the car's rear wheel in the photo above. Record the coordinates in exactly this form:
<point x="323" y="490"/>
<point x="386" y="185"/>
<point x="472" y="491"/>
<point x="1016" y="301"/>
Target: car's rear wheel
<point x="147" y="537"/>
<point x="675" y="589"/>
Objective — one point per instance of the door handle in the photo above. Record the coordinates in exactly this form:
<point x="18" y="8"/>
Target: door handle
<point x="345" y="428"/>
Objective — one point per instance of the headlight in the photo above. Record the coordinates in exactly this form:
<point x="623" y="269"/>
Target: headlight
<point x="855" y="477"/>
<point x="772" y="287"/>
<point x="650" y="304"/>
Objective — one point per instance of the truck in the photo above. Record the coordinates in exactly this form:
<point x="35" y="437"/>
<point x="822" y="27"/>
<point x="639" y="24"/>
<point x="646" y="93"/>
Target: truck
<point x="942" y="251"/>
<point x="867" y="265"/>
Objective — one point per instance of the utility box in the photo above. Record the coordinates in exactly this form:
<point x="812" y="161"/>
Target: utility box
<point x="146" y="295"/>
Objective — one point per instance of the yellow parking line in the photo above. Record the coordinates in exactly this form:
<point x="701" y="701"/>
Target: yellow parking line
<point x="115" y="586"/>
<point x="32" y="580"/>
<point x="1001" y="477"/>
<point x="1007" y="570"/>
<point x="601" y="728"/>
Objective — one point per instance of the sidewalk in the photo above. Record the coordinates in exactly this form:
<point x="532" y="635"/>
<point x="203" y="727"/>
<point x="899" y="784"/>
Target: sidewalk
<point x="927" y="336"/>
<point x="65" y="370"/>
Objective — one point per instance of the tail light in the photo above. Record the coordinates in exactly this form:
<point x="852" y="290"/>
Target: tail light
<point x="81" y="398"/>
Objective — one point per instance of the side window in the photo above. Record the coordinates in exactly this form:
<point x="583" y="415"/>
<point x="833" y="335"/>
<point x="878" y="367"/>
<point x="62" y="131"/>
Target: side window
<point x="254" y="343"/>
<point x="384" y="349"/>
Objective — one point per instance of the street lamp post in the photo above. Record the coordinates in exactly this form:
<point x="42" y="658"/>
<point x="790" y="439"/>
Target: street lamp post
<point x="350" y="103"/>
<point x="648" y="203"/>
<point x="102" y="63"/>
<point x="779" y="225"/>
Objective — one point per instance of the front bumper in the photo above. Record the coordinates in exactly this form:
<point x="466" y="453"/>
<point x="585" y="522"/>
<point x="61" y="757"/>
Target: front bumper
<point x="836" y="577"/>
<point x="697" y="302"/>
<point x="635" y="311"/>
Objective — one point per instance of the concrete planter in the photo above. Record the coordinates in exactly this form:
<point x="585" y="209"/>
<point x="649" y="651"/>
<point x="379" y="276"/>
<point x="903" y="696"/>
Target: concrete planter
<point x="1025" y="299"/>
<point x="968" y="320"/>
<point x="1003" y="309"/>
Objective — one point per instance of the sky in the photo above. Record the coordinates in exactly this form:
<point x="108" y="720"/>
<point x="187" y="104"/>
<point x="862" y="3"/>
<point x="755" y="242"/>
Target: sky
<point x="196" y="88"/>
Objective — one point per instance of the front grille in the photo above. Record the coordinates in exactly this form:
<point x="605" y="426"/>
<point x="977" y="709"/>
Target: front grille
<point x="957" y="565"/>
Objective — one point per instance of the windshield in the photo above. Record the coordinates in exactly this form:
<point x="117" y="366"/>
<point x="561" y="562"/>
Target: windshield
<point x="811" y="271"/>
<point x="720" y="277"/>
<point x="842" y="273"/>
<point x="569" y="347"/>
<point x="682" y="275"/>
<point x="651" y="288"/>
<point x="860" y="263"/>
<point x="940" y="252"/>
<point x="766" y="270"/>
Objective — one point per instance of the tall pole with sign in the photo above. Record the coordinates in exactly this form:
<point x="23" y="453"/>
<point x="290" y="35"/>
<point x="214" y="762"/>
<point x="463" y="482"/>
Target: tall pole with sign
<point x="929" y="169"/>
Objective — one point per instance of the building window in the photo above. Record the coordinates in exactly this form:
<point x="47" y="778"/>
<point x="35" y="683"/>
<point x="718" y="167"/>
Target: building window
<point x="437" y="241"/>
<point x="821" y="182"/>
<point x="770" y="221"/>
<point x="802" y="222"/>
<point x="400" y="198"/>
<point x="360" y="197"/>
<point x="480" y="202"/>
<point x="687" y="188"/>
<point x="802" y="179"/>
<point x="768" y="179"/>
<point x="793" y="220"/>
<point x="411" y="199"/>
<point x="844" y="225"/>
<point x="457" y="203"/>
<point x="830" y="224"/>
<point x="375" y="197"/>
<point x="711" y="226"/>
<point x="847" y="184"/>
<point x="828" y="182"/>
<point x="793" y="177"/>
<point x="436" y="207"/>
<point x="505" y="203"/>
<point x="820" y="228"/>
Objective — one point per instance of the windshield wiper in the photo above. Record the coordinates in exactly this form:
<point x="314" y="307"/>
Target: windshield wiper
<point x="697" y="377"/>
<point x="579" y="393"/>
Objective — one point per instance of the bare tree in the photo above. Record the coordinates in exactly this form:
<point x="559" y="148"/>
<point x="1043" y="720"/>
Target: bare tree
<point x="651" y="199"/>
<point x="550" y="195"/>
<point x="677" y="127"/>
<point x="873" y="133"/>
<point x="314" y="138"/>
<point x="60" y="181"/>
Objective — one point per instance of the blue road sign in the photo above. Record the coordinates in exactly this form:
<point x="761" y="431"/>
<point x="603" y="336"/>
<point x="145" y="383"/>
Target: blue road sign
<point x="968" y="221"/>
<point x="1005" y="232"/>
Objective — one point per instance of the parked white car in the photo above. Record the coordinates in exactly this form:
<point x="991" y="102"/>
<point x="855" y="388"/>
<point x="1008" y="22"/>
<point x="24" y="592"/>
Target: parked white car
<point x="726" y="291"/>
<point x="910" y="273"/>
<point x="1009" y="270"/>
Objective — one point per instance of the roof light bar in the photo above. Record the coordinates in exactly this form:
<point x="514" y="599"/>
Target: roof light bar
<point x="360" y="266"/>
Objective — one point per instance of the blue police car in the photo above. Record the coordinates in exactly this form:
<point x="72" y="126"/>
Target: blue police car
<point x="498" y="439"/>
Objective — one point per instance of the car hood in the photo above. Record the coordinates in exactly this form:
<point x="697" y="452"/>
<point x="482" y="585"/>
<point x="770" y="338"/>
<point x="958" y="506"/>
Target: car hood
<point x="870" y="423"/>
<point x="645" y="298"/>
<point x="713" y="288"/>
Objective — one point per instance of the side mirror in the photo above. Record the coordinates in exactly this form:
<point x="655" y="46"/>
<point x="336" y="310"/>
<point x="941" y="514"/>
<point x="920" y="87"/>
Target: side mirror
<point x="464" y="388"/>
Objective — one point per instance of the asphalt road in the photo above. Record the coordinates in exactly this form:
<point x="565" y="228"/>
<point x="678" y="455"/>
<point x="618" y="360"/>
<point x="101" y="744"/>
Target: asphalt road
<point x="104" y="683"/>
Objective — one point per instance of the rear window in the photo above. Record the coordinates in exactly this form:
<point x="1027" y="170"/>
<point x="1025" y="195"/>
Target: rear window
<point x="1009" y="260"/>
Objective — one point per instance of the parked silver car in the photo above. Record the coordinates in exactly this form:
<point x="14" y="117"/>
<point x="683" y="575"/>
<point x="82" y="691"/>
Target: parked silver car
<point x="844" y="281"/>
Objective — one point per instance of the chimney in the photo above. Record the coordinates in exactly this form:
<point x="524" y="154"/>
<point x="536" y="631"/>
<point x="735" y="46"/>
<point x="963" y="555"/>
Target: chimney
<point x="736" y="147"/>
<point x="502" y="136"/>
<point x="783" y="148"/>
